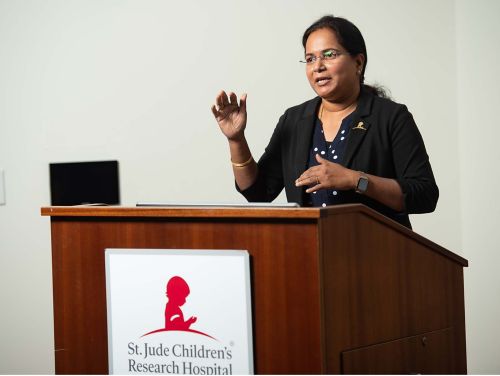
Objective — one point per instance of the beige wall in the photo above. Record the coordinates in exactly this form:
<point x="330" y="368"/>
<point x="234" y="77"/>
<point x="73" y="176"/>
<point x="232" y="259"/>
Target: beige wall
<point x="134" y="81"/>
<point x="478" y="59"/>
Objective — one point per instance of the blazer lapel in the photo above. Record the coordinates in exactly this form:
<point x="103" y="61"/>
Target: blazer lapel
<point x="356" y="135"/>
<point x="360" y="127"/>
<point x="305" y="128"/>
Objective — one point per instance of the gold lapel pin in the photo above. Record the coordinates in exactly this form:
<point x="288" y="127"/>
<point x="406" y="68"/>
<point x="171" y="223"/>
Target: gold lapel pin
<point x="360" y="126"/>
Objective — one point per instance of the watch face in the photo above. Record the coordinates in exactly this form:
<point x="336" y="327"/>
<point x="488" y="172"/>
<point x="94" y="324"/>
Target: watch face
<point x="362" y="184"/>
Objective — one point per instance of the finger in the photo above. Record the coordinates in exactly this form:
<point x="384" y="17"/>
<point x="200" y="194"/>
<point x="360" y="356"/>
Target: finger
<point x="314" y="185"/>
<point x="243" y="103"/>
<point x="233" y="99"/>
<point x="225" y="99"/>
<point x="307" y="180"/>
<point x="312" y="181"/>
<point x="301" y="180"/>
<point x="320" y="159"/>
<point x="214" y="111"/>
<point x="219" y="101"/>
<point x="313" y="171"/>
<point x="315" y="188"/>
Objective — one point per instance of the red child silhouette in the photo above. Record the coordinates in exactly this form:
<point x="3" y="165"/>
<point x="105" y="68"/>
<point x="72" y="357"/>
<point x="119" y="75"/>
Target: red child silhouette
<point x="177" y="292"/>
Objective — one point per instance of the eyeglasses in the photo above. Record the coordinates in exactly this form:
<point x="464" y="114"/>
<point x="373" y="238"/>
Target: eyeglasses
<point x="330" y="54"/>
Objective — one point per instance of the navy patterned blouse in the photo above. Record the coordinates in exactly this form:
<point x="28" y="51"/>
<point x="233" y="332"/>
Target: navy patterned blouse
<point x="333" y="152"/>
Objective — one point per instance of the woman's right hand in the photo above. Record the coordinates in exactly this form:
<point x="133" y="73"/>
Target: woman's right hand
<point x="231" y="117"/>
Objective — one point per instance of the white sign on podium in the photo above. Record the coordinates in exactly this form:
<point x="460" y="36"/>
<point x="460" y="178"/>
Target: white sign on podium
<point x="179" y="312"/>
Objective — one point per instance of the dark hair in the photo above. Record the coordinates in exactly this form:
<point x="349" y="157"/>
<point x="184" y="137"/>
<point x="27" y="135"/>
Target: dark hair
<point x="350" y="38"/>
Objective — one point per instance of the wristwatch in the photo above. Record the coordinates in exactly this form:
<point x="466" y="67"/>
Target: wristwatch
<point x="362" y="185"/>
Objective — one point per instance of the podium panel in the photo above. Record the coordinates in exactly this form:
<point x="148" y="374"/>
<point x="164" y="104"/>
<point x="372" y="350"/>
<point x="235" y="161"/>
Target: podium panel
<point x="331" y="287"/>
<point x="428" y="353"/>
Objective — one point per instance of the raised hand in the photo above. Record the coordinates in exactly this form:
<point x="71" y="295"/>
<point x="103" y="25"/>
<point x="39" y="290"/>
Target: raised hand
<point x="231" y="117"/>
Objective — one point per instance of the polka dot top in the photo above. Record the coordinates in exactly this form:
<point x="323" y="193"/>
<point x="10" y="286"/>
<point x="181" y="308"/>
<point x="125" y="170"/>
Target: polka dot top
<point x="333" y="152"/>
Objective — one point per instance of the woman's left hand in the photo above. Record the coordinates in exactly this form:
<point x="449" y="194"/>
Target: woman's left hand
<point x="327" y="175"/>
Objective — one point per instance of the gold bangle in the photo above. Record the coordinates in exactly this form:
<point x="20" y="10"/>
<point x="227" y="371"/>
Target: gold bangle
<point x="250" y="160"/>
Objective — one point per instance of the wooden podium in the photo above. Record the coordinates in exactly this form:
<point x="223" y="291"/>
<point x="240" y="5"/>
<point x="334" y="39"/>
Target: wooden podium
<point x="334" y="290"/>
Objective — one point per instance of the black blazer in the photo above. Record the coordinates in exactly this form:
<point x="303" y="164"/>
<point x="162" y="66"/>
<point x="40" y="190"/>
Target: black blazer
<point x="389" y="146"/>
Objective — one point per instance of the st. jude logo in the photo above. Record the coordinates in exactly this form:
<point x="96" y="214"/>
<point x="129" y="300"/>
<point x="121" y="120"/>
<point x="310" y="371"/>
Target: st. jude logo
<point x="177" y="292"/>
<point x="169" y="353"/>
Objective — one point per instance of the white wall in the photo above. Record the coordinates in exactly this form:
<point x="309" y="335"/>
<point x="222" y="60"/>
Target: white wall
<point x="134" y="81"/>
<point x="478" y="59"/>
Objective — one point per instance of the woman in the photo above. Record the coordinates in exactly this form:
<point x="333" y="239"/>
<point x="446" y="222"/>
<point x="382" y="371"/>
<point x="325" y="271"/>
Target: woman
<point x="348" y="145"/>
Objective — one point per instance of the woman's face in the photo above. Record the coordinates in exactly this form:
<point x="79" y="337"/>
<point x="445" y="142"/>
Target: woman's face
<point x="332" y="79"/>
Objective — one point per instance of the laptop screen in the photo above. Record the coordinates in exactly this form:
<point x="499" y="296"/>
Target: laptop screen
<point x="78" y="183"/>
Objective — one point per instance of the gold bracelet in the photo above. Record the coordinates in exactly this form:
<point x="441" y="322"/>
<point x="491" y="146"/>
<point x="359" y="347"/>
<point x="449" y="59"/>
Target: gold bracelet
<point x="250" y="160"/>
